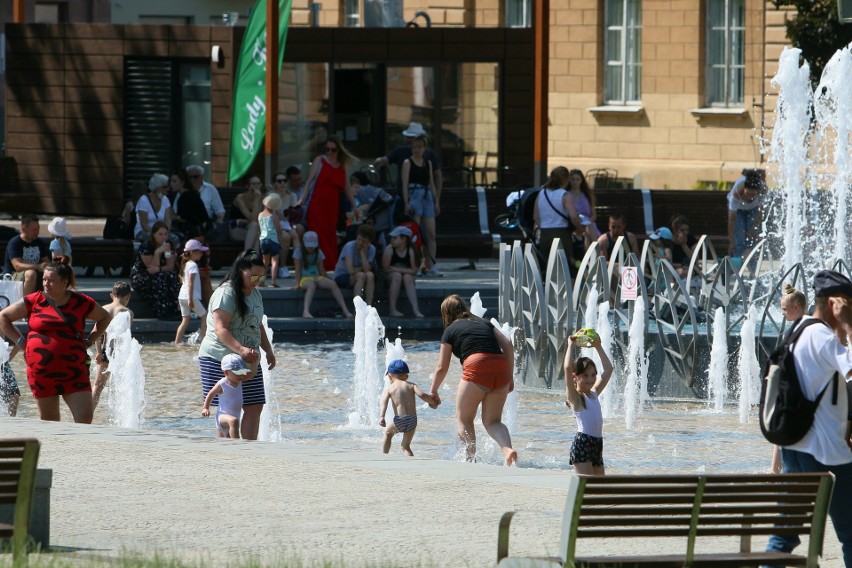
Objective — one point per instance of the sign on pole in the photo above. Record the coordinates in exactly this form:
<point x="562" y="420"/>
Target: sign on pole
<point x="629" y="283"/>
<point x="248" y="122"/>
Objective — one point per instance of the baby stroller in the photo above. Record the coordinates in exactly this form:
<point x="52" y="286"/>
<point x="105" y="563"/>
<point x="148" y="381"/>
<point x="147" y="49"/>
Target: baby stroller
<point x="521" y="206"/>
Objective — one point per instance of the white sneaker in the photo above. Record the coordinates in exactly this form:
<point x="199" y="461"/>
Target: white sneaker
<point x="283" y="272"/>
<point x="434" y="273"/>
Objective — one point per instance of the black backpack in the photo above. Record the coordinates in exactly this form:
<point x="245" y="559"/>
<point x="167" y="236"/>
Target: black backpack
<point x="785" y="414"/>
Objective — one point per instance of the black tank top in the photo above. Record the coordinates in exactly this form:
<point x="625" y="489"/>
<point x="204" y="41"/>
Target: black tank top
<point x="419" y="174"/>
<point x="402" y="261"/>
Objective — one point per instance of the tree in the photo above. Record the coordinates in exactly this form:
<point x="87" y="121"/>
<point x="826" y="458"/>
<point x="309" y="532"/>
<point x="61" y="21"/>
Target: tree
<point x="817" y="31"/>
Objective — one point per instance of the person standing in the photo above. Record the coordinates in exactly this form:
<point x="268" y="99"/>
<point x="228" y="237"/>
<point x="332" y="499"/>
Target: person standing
<point x="212" y="202"/>
<point x="822" y="361"/>
<point x="421" y="200"/>
<point x="488" y="360"/>
<point x="401" y="153"/>
<point x="744" y="201"/>
<point x="326" y="181"/>
<point x="54" y="347"/>
<point x="27" y="255"/>
<point x="235" y="325"/>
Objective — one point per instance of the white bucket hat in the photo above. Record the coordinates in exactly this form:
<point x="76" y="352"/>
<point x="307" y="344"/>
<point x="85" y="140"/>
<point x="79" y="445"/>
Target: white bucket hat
<point x="57" y="228"/>
<point x="414" y="130"/>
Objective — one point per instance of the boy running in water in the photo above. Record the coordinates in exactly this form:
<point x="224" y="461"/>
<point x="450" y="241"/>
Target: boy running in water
<point x="120" y="299"/>
<point x="402" y="394"/>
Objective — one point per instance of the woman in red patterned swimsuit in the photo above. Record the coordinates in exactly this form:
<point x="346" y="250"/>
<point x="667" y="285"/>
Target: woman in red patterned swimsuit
<point x="54" y="346"/>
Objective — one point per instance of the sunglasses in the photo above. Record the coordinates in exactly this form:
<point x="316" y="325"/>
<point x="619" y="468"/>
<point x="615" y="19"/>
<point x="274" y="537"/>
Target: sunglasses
<point x="329" y="150"/>
<point x="256" y="279"/>
<point x="280" y="180"/>
<point x="195" y="176"/>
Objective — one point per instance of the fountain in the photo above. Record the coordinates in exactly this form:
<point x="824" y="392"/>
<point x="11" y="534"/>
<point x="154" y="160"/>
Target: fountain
<point x="126" y="385"/>
<point x="685" y="327"/>
<point x="270" y="416"/>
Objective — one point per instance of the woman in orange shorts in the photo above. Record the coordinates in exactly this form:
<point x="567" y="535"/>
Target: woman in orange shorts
<point x="487" y="360"/>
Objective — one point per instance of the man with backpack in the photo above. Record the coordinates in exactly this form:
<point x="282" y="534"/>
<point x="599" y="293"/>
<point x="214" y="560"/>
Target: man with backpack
<point x="823" y="364"/>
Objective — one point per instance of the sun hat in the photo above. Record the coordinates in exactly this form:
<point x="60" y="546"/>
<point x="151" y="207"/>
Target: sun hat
<point x="234" y="363"/>
<point x="414" y="130"/>
<point x="311" y="239"/>
<point x="58" y="228"/>
<point x="273" y="201"/>
<point x="195" y="244"/>
<point x="400" y="230"/>
<point x="397" y="366"/>
<point x="831" y="283"/>
<point x="661" y="233"/>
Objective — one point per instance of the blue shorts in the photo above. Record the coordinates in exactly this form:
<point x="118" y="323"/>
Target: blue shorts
<point x="342" y="280"/>
<point x="586" y="448"/>
<point x="421" y="201"/>
<point x="268" y="246"/>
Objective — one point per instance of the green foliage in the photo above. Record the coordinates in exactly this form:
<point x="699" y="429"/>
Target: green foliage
<point x="817" y="31"/>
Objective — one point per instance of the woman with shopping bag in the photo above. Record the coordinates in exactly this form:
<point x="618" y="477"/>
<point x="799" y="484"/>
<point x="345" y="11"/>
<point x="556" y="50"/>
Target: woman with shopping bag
<point x="55" y="348"/>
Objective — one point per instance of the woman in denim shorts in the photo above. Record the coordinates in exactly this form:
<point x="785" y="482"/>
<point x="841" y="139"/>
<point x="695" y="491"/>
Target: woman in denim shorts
<point x="421" y="200"/>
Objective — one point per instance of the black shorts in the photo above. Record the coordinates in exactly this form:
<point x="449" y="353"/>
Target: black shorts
<point x="586" y="448"/>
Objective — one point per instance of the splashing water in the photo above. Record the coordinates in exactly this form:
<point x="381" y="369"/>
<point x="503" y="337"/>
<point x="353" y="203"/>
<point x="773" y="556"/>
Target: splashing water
<point x="748" y="367"/>
<point x="476" y="307"/>
<point x="637" y="365"/>
<point x="270" y="429"/>
<point x="510" y="410"/>
<point x="369" y="330"/>
<point x="718" y="371"/>
<point x="126" y="385"/>
<point x="609" y="397"/>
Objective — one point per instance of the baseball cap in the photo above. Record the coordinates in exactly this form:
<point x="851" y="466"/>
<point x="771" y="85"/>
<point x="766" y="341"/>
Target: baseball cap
<point x="397" y="366"/>
<point x="661" y="233"/>
<point x="234" y="363"/>
<point x="311" y="239"/>
<point x="831" y="283"/>
<point x="400" y="231"/>
<point x="194" y="244"/>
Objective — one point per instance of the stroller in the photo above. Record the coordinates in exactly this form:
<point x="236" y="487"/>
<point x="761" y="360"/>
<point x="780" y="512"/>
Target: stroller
<point x="521" y="207"/>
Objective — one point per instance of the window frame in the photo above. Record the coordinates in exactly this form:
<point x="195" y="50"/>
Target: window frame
<point x="513" y="7"/>
<point x="728" y="66"/>
<point x="629" y="62"/>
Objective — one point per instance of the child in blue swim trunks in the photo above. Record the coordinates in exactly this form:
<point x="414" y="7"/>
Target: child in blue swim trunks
<point x="402" y="394"/>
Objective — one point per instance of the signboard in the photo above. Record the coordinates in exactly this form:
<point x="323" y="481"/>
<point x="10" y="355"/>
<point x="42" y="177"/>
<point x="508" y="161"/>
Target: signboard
<point x="629" y="283"/>
<point x="248" y="121"/>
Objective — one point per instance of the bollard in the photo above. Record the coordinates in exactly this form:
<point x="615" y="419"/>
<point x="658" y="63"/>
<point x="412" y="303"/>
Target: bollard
<point x="40" y="516"/>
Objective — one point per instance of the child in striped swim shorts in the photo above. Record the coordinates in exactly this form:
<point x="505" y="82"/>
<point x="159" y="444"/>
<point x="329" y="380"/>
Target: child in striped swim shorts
<point x="402" y="394"/>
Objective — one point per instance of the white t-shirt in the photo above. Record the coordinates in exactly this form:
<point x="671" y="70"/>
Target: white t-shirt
<point x="212" y="200"/>
<point x="818" y="355"/>
<point x="737" y="204"/>
<point x="144" y="204"/>
<point x="190" y="274"/>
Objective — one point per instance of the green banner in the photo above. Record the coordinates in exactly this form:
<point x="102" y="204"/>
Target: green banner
<point x="248" y="122"/>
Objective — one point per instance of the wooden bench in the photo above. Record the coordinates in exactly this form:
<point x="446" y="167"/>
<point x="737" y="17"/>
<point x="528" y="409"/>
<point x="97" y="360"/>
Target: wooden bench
<point x="690" y="508"/>
<point x="463" y="226"/>
<point x="18" y="460"/>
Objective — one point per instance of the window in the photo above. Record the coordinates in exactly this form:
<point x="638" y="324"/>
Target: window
<point x="518" y="13"/>
<point x="623" y="52"/>
<point x="725" y="52"/>
<point x="372" y="13"/>
<point x="51" y="13"/>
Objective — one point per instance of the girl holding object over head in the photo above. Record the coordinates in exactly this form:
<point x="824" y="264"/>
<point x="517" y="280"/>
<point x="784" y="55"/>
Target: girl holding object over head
<point x="487" y="359"/>
<point x="582" y="389"/>
<point x="326" y="180"/>
<point x="310" y="274"/>
<point x="189" y="297"/>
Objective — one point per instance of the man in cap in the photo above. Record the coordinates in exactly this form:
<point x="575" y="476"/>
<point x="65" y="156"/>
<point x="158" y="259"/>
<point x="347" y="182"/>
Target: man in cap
<point x="823" y="361"/>
<point x="401" y="153"/>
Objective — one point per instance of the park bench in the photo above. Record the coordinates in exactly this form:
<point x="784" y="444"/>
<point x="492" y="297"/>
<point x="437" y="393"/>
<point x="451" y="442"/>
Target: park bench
<point x="18" y="460"/>
<point x="90" y="253"/>
<point x="462" y="227"/>
<point x="689" y="508"/>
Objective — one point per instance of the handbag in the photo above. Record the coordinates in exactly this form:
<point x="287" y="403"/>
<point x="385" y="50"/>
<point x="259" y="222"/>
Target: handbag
<point x="11" y="291"/>
<point x="294" y="215"/>
<point x="116" y="228"/>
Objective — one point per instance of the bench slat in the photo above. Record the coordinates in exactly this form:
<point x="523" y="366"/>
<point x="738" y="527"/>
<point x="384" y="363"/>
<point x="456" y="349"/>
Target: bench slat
<point x="701" y="560"/>
<point x="623" y="520"/>
<point x="776" y="508"/>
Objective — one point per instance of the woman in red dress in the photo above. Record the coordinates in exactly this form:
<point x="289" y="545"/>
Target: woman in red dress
<point x="328" y="177"/>
<point x="57" y="361"/>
